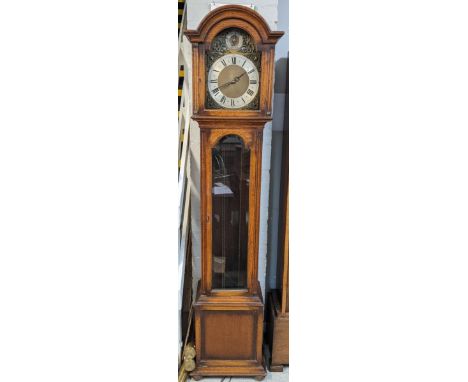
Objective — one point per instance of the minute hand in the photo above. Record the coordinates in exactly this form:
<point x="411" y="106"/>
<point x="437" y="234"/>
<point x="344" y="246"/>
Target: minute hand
<point x="233" y="81"/>
<point x="237" y="78"/>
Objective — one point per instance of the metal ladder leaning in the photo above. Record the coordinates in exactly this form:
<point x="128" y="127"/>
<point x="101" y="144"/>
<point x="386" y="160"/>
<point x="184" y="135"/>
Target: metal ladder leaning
<point x="184" y="115"/>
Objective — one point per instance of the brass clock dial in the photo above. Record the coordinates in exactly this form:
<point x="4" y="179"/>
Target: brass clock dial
<point x="233" y="81"/>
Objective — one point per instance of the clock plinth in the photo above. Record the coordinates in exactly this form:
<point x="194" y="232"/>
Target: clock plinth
<point x="229" y="340"/>
<point x="233" y="60"/>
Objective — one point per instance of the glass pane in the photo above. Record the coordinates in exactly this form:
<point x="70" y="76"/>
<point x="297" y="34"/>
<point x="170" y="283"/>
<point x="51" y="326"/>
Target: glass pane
<point x="230" y="194"/>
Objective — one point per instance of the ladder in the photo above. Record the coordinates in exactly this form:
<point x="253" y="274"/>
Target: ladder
<point x="184" y="116"/>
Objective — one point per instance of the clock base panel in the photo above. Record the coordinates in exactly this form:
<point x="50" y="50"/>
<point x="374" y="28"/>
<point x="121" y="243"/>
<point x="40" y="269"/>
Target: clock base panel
<point x="228" y="336"/>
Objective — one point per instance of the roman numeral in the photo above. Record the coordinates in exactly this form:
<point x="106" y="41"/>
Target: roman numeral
<point x="244" y="63"/>
<point x="232" y="103"/>
<point x="253" y="82"/>
<point x="243" y="100"/>
<point x="233" y="59"/>
<point x="250" y="92"/>
<point x="214" y="70"/>
<point x="215" y="81"/>
<point x="215" y="91"/>
<point x="223" y="99"/>
<point x="223" y="62"/>
<point x="253" y="70"/>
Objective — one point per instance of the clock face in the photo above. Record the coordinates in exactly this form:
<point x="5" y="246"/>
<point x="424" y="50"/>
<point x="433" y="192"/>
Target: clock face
<point x="233" y="81"/>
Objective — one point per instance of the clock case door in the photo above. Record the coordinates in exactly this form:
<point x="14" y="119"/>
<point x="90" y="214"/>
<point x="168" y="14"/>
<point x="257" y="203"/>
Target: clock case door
<point x="213" y="216"/>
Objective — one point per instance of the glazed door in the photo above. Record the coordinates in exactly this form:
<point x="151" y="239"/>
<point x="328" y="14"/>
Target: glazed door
<point x="230" y="180"/>
<point x="230" y="199"/>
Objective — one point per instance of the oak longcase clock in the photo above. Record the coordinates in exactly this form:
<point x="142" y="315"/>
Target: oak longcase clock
<point x="233" y="65"/>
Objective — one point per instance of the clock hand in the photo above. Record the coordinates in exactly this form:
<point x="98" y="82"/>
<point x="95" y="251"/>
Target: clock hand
<point x="225" y="84"/>
<point x="233" y="81"/>
<point x="236" y="79"/>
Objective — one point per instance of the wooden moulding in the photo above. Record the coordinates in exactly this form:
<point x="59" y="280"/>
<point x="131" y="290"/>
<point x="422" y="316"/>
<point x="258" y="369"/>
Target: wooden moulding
<point x="223" y="17"/>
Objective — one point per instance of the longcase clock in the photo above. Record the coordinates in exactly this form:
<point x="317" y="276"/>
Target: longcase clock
<point x="233" y="65"/>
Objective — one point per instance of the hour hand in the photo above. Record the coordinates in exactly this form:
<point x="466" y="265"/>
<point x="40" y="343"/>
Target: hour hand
<point x="233" y="81"/>
<point x="227" y="84"/>
<point x="224" y="85"/>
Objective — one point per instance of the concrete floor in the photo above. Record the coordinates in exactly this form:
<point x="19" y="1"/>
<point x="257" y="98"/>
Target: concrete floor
<point x="271" y="377"/>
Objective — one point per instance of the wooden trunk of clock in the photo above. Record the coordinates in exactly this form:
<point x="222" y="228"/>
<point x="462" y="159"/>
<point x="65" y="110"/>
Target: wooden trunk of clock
<point x="233" y="61"/>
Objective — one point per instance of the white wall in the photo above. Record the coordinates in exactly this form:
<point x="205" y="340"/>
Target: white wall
<point x="196" y="10"/>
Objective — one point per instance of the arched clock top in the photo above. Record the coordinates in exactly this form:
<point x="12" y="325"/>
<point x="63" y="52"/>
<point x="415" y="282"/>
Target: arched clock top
<point x="233" y="16"/>
<point x="233" y="66"/>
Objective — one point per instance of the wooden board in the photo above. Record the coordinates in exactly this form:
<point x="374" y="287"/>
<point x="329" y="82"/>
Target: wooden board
<point x="278" y="333"/>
